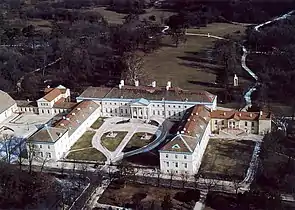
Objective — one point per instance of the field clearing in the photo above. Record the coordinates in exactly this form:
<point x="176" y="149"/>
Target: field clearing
<point x="219" y="29"/>
<point x="111" y="16"/>
<point x="190" y="65"/>
<point x="227" y="157"/>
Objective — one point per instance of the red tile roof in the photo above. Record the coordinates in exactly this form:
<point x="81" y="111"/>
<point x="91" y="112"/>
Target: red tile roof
<point x="50" y="96"/>
<point x="238" y="115"/>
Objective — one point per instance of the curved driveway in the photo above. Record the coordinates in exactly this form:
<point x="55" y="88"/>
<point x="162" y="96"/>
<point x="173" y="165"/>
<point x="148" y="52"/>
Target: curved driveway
<point x="131" y="127"/>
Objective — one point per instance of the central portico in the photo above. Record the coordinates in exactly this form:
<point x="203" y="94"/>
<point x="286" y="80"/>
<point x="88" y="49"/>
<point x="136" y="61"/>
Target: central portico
<point x="140" y="109"/>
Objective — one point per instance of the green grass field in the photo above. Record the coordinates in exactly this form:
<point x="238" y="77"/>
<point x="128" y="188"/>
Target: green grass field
<point x="98" y="123"/>
<point x="112" y="143"/>
<point x="136" y="142"/>
<point x="188" y="66"/>
<point x="90" y="154"/>
<point x="84" y="141"/>
<point x="227" y="157"/>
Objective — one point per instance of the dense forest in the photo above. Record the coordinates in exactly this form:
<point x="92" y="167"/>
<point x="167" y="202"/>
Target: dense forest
<point x="81" y="47"/>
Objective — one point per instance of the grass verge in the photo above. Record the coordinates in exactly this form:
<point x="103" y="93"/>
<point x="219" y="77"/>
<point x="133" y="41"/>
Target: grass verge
<point x="112" y="143"/>
<point x="136" y="142"/>
<point x="84" y="141"/>
<point x="88" y="154"/>
<point x="97" y="123"/>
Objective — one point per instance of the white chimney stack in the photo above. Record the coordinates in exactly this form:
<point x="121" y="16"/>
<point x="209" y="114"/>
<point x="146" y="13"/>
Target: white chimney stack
<point x="169" y="84"/>
<point x="122" y="82"/>
<point x="48" y="86"/>
<point x="167" y="87"/>
<point x="120" y="86"/>
<point x="28" y="100"/>
<point x="136" y="83"/>
<point x="154" y="84"/>
<point x="260" y="113"/>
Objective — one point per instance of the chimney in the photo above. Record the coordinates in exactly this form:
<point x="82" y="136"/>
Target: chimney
<point x="240" y="115"/>
<point x="122" y="83"/>
<point x="62" y="124"/>
<point x="120" y="86"/>
<point x="224" y="113"/>
<point x="184" y="129"/>
<point x="154" y="84"/>
<point x="260" y="113"/>
<point x="48" y="86"/>
<point x="169" y="84"/>
<point x="63" y="117"/>
<point x="251" y="114"/>
<point x="28" y="100"/>
<point x="188" y="119"/>
<point x="73" y="114"/>
<point x="178" y="132"/>
<point x="136" y="83"/>
<point x="167" y="87"/>
<point x="79" y="108"/>
<point x="68" y="119"/>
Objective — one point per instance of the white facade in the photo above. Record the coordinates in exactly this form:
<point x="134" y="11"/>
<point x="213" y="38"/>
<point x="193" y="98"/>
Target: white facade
<point x="184" y="162"/>
<point x="8" y="112"/>
<point x="55" y="147"/>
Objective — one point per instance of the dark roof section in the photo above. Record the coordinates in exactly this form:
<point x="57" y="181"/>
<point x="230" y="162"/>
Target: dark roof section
<point x="220" y="114"/>
<point x="149" y="93"/>
<point x="47" y="134"/>
<point x="62" y="104"/>
<point x="25" y="103"/>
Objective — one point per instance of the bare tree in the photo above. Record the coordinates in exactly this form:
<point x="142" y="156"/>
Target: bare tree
<point x="133" y="70"/>
<point x="171" y="176"/>
<point x="158" y="172"/>
<point x="209" y="184"/>
<point x="184" y="178"/>
<point x="44" y="161"/>
<point x="8" y="146"/>
<point x="31" y="153"/>
<point x="145" y="175"/>
<point x="196" y="180"/>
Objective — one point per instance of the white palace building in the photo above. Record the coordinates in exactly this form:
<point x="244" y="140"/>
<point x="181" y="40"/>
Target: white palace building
<point x="195" y="112"/>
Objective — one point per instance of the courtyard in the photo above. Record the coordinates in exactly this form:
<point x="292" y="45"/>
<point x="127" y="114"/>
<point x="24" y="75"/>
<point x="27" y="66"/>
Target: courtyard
<point x="139" y="140"/>
<point x="111" y="140"/>
<point x="224" y="157"/>
<point x="24" y="125"/>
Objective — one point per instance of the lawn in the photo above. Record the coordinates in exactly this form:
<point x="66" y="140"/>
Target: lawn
<point x="219" y="29"/>
<point x="84" y="141"/>
<point x="112" y="143"/>
<point x="89" y="154"/>
<point x="227" y="157"/>
<point x="98" y="123"/>
<point x="146" y="195"/>
<point x="190" y="65"/>
<point x="136" y="143"/>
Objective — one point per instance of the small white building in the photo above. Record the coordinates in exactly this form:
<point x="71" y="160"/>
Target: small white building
<point x="55" y="101"/>
<point x="248" y="122"/>
<point x="7" y="106"/>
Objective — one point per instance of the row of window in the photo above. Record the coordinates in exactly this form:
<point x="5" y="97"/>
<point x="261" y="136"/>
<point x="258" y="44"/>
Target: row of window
<point x="176" y="156"/>
<point x="47" y="154"/>
<point x="246" y="123"/>
<point x="44" y="104"/>
<point x="176" y="171"/>
<point x="41" y="146"/>
<point x="176" y="164"/>
<point x="154" y="105"/>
